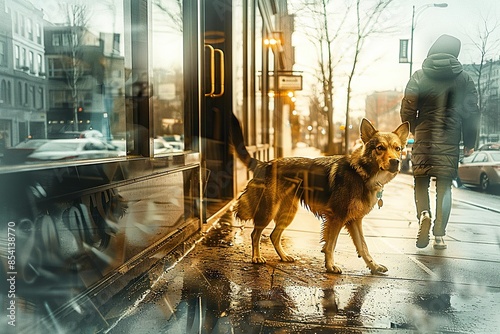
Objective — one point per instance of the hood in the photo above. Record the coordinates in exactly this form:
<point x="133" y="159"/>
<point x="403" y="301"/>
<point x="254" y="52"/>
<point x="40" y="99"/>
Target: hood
<point x="442" y="66"/>
<point x="446" y="44"/>
<point x="441" y="62"/>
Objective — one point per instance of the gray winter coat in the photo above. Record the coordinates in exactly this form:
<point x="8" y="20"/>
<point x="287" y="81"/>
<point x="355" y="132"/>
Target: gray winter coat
<point x="440" y="102"/>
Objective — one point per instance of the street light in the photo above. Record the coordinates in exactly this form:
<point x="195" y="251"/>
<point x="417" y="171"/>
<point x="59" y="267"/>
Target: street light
<point x="413" y="24"/>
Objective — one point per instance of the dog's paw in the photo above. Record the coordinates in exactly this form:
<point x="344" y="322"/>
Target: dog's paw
<point x="258" y="260"/>
<point x="376" y="268"/>
<point x="288" y="258"/>
<point x="333" y="269"/>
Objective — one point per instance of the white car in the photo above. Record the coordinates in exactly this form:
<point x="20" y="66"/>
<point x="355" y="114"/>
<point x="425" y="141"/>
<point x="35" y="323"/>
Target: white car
<point x="161" y="146"/>
<point x="74" y="149"/>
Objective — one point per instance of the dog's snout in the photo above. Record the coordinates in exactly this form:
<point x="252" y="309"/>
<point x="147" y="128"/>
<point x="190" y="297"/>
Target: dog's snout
<point x="394" y="165"/>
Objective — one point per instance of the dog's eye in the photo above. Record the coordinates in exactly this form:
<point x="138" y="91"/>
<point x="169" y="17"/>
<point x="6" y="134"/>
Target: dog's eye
<point x="380" y="148"/>
<point x="399" y="149"/>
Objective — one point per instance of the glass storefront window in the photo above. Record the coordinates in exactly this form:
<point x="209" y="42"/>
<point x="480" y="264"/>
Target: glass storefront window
<point x="87" y="79"/>
<point x="167" y="76"/>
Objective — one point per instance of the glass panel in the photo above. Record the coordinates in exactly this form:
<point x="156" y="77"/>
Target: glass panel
<point x="69" y="78"/>
<point x="167" y="76"/>
<point x="261" y="125"/>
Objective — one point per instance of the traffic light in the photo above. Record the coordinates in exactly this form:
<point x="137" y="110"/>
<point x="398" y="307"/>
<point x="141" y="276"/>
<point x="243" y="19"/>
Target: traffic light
<point x="79" y="109"/>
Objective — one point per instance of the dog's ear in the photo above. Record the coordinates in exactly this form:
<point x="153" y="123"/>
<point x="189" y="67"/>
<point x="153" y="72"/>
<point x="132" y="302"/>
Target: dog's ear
<point x="403" y="131"/>
<point x="367" y="130"/>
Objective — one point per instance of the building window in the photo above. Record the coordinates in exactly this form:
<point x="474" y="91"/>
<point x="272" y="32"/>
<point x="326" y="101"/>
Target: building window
<point x="3" y="92"/>
<point x="17" y="55"/>
<point x="26" y="93"/>
<point x="21" y="28"/>
<point x="38" y="34"/>
<point x="23" y="58"/>
<point x="33" y="96"/>
<point x="29" y="27"/>
<point x="56" y="39"/>
<point x="55" y="68"/>
<point x="41" y="70"/>
<point x="41" y="98"/>
<point x="60" y="99"/>
<point x="31" y="62"/>
<point x="66" y="39"/>
<point x="19" y="94"/>
<point x="9" y="93"/>
<point x="16" y="22"/>
<point x="3" y="56"/>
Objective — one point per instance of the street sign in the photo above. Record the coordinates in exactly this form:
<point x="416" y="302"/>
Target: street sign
<point x="290" y="82"/>
<point x="403" y="51"/>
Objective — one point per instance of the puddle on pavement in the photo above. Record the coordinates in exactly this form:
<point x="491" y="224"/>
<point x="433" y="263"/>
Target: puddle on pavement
<point x="213" y="296"/>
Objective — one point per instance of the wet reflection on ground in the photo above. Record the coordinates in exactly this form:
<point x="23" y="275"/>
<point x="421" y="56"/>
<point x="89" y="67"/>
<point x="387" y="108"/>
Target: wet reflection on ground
<point x="216" y="289"/>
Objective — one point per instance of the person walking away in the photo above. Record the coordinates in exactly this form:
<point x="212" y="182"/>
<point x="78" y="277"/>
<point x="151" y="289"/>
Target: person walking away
<point x="440" y="103"/>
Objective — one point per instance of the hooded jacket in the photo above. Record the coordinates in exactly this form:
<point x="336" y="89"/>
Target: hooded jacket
<point x="440" y="102"/>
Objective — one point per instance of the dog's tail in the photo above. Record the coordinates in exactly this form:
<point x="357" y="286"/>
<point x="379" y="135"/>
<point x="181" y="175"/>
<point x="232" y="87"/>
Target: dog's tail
<point x="237" y="143"/>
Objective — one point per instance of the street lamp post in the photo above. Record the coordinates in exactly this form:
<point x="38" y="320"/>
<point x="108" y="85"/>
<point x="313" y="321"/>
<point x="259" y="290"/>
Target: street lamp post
<point x="414" y="22"/>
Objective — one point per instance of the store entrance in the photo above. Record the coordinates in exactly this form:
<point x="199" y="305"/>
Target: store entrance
<point x="217" y="106"/>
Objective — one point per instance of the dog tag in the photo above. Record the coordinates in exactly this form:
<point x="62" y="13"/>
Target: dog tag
<point x="380" y="203"/>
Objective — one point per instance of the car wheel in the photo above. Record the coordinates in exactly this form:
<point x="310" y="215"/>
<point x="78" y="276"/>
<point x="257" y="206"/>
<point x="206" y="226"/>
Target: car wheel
<point x="484" y="182"/>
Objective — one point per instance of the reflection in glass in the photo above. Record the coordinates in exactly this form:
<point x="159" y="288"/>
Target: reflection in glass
<point x="167" y="80"/>
<point x="67" y="72"/>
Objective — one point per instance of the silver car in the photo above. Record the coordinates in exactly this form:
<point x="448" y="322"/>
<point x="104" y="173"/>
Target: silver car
<point x="74" y="149"/>
<point x="480" y="169"/>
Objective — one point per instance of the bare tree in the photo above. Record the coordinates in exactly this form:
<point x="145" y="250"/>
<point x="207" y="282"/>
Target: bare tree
<point x="338" y="42"/>
<point x="367" y="24"/>
<point x="322" y="33"/>
<point x="77" y="20"/>
<point x="173" y="10"/>
<point x="487" y="43"/>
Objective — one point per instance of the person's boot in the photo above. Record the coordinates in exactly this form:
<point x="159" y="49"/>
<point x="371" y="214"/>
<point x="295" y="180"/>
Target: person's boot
<point x="423" y="230"/>
<point x="439" y="243"/>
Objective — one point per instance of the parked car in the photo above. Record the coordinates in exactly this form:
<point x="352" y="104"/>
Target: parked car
<point x="480" y="169"/>
<point x="406" y="166"/>
<point x="74" y="149"/>
<point x="490" y="147"/>
<point x="162" y="146"/>
<point x="18" y="153"/>
<point x="176" y="141"/>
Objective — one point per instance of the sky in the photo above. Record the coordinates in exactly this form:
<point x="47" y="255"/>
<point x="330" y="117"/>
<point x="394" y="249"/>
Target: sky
<point x="379" y="62"/>
<point x="379" y="68"/>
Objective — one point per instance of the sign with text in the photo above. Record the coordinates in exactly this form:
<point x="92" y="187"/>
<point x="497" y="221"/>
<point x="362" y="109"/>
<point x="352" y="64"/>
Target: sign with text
<point x="403" y="51"/>
<point x="290" y="82"/>
<point x="285" y="82"/>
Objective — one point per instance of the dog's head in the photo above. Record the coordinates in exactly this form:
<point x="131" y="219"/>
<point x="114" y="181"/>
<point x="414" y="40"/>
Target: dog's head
<point x="384" y="147"/>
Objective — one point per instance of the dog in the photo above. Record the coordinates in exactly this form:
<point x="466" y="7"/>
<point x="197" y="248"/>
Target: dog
<point x="339" y="190"/>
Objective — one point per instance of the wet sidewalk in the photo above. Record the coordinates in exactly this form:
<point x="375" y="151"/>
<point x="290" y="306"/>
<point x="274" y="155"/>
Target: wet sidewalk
<point x="216" y="289"/>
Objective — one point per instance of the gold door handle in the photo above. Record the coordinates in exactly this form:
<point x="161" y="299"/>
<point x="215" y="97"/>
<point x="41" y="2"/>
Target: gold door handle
<point x="221" y="66"/>
<point x="212" y="70"/>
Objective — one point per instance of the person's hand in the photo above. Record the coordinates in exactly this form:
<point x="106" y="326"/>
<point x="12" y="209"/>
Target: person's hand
<point x="468" y="151"/>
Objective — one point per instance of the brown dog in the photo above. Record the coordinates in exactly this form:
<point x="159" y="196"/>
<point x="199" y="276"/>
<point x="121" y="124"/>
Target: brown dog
<point x="340" y="190"/>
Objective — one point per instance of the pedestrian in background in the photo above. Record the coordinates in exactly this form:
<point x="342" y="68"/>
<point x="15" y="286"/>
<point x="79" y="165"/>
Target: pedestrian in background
<point x="440" y="102"/>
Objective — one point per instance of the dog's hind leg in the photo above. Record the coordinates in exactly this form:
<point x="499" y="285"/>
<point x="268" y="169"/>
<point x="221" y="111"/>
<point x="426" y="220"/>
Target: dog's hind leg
<point x="331" y="231"/>
<point x="355" y="229"/>
<point x="263" y="217"/>
<point x="283" y="219"/>
<point x="256" y="235"/>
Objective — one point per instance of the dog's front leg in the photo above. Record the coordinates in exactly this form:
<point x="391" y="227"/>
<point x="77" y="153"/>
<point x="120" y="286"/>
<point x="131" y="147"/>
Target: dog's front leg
<point x="355" y="229"/>
<point x="331" y="233"/>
